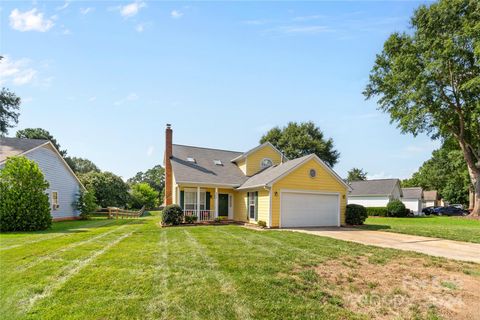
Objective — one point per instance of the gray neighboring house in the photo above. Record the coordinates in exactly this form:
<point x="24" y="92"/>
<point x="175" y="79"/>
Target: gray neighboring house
<point x="374" y="193"/>
<point x="413" y="199"/>
<point x="64" y="184"/>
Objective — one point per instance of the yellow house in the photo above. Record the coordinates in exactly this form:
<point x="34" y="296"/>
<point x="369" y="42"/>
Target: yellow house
<point x="257" y="185"/>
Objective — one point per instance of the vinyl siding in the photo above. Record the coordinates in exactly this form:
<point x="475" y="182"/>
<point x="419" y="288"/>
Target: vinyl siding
<point x="299" y="179"/>
<point x="369" y="201"/>
<point x="241" y="203"/>
<point x="263" y="205"/>
<point x="240" y="206"/>
<point x="253" y="162"/>
<point x="60" y="179"/>
<point x="242" y="165"/>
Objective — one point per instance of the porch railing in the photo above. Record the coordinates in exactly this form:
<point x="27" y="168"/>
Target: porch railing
<point x="205" y="215"/>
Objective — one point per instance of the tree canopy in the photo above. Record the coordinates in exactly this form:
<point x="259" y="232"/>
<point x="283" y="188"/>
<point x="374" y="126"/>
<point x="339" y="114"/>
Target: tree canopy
<point x="24" y="204"/>
<point x="109" y="189"/>
<point x="356" y="174"/>
<point x="9" y="106"/>
<point x="155" y="177"/>
<point x="39" y="133"/>
<point x="81" y="165"/>
<point x="445" y="172"/>
<point x="428" y="79"/>
<point x="301" y="139"/>
<point x="142" y="194"/>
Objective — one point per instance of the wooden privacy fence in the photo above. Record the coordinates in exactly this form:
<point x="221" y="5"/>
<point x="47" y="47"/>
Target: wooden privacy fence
<point x="113" y="212"/>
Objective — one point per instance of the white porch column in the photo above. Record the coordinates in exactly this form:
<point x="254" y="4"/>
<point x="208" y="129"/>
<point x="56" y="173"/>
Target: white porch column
<point x="216" y="202"/>
<point x="198" y="203"/>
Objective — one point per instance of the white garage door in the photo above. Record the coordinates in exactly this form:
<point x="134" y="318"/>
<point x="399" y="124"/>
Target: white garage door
<point x="309" y="210"/>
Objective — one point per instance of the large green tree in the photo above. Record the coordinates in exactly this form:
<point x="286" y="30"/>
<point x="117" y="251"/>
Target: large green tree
<point x="155" y="177"/>
<point x="445" y="172"/>
<point x="109" y="189"/>
<point x="81" y="165"/>
<point x="356" y="174"/>
<point x="24" y="204"/>
<point x="9" y="106"/>
<point x="142" y="194"/>
<point x="39" y="133"/>
<point x="428" y="79"/>
<point x="300" y="139"/>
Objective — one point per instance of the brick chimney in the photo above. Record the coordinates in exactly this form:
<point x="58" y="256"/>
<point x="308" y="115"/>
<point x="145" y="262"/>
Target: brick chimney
<point x="168" y="165"/>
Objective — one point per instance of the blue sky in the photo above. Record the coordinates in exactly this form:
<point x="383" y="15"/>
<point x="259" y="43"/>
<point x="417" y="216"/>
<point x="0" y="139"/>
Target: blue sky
<point x="105" y="77"/>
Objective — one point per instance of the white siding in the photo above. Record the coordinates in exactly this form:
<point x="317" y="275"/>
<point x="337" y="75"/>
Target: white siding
<point x="366" y="201"/>
<point x="60" y="179"/>
<point x="413" y="204"/>
<point x="396" y="192"/>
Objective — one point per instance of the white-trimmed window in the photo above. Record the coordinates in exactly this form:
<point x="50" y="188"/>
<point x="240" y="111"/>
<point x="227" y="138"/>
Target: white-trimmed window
<point x="54" y="200"/>
<point x="251" y="205"/>
<point x="190" y="199"/>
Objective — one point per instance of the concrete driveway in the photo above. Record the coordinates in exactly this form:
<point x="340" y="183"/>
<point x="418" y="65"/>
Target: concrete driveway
<point x="450" y="249"/>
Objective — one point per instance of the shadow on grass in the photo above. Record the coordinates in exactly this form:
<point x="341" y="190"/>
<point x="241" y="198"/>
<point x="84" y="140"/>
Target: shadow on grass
<point x="374" y="227"/>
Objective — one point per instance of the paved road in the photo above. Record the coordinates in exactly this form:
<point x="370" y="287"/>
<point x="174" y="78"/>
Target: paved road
<point x="450" y="249"/>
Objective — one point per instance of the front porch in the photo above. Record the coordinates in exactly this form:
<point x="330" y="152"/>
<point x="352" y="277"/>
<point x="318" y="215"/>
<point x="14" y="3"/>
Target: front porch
<point x="206" y="203"/>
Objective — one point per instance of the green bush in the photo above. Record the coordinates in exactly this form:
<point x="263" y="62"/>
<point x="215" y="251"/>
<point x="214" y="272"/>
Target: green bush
<point x="86" y="203"/>
<point x="356" y="214"/>
<point x="110" y="190"/>
<point x="142" y="194"/>
<point x="191" y="219"/>
<point x="377" y="211"/>
<point x="24" y="204"/>
<point x="262" y="223"/>
<point x="396" y="208"/>
<point x="172" y="214"/>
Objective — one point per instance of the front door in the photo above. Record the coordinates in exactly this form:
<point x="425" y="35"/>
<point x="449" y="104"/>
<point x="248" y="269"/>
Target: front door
<point x="223" y="205"/>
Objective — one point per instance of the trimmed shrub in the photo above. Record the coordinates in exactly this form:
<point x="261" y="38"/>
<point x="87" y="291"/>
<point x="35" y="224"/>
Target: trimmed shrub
<point x="24" y="204"/>
<point x="86" y="203"/>
<point x="262" y="223"/>
<point x="191" y="219"/>
<point x="396" y="208"/>
<point x="172" y="214"/>
<point x="356" y="214"/>
<point x="377" y="211"/>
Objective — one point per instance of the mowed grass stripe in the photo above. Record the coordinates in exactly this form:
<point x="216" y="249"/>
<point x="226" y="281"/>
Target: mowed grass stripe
<point x="57" y="253"/>
<point x="71" y="270"/>
<point x="228" y="286"/>
<point x="48" y="236"/>
<point x="11" y="259"/>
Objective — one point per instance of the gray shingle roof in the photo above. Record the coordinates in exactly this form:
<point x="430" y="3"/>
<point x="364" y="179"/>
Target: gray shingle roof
<point x="204" y="170"/>
<point x="268" y="175"/>
<point x="373" y="187"/>
<point x="412" y="193"/>
<point x="10" y="147"/>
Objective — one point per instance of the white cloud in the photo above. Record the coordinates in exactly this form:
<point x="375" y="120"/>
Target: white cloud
<point x="313" y="29"/>
<point x="150" y="150"/>
<point x="18" y="72"/>
<point x="92" y="99"/>
<point x="379" y="175"/>
<point x="176" y="14"/>
<point x="140" y="27"/>
<point x="131" y="97"/>
<point x="131" y="9"/>
<point x="64" y="6"/>
<point x="29" y="21"/>
<point x="85" y="11"/>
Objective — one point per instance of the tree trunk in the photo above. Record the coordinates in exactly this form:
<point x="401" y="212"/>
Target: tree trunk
<point x="471" y="198"/>
<point x="476" y="206"/>
<point x="474" y="172"/>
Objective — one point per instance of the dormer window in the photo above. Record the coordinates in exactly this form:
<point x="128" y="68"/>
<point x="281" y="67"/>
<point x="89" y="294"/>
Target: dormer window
<point x="266" y="162"/>
<point x="189" y="159"/>
<point x="218" y="162"/>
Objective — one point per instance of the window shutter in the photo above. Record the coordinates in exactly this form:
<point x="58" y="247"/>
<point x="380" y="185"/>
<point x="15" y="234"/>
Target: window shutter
<point x="182" y="199"/>
<point x="256" y="205"/>
<point x="207" y="201"/>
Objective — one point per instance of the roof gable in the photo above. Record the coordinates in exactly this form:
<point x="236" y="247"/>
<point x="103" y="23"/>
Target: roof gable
<point x="10" y="147"/>
<point x="257" y="148"/>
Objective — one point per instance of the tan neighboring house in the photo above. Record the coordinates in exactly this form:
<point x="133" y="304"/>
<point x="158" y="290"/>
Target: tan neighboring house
<point x="252" y="186"/>
<point x="431" y="199"/>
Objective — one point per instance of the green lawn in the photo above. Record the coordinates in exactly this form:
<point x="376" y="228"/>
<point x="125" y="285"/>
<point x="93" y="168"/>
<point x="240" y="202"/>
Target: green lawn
<point x="132" y="269"/>
<point x="430" y="226"/>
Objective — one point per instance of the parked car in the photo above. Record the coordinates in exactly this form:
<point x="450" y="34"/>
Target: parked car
<point x="429" y="210"/>
<point x="449" y="211"/>
<point x="459" y="206"/>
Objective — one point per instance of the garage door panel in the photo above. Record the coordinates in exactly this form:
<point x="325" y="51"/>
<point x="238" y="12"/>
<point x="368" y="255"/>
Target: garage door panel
<point x="308" y="210"/>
